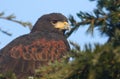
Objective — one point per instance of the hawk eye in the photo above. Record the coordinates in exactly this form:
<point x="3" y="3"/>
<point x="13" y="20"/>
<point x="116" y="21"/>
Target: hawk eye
<point x="54" y="21"/>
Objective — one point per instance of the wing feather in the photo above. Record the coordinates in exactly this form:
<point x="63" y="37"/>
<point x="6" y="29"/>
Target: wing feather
<point x="25" y="58"/>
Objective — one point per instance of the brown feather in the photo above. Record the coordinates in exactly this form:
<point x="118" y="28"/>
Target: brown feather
<point x="31" y="51"/>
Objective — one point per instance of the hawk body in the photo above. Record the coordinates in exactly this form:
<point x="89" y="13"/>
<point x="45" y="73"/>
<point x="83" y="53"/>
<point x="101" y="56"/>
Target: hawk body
<point x="26" y="53"/>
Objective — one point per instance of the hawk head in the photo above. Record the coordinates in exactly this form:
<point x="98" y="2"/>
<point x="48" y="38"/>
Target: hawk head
<point x="53" y="22"/>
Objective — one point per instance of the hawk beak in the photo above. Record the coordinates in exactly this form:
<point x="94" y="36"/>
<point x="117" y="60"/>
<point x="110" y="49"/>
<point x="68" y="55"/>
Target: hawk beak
<point x="67" y="26"/>
<point x="62" y="25"/>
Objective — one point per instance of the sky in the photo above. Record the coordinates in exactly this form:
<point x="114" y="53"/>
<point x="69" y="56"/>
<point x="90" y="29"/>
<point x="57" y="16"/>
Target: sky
<point x="29" y="10"/>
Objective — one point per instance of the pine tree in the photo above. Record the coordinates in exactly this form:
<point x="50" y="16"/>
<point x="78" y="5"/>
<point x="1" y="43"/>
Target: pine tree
<point x="102" y="62"/>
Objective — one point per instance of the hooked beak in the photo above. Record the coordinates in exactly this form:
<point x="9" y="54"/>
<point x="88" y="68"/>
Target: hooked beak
<point x="67" y="26"/>
<point x="62" y="25"/>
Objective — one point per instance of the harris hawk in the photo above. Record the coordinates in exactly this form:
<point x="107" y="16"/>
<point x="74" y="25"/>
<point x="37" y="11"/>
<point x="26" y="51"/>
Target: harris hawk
<point x="46" y="42"/>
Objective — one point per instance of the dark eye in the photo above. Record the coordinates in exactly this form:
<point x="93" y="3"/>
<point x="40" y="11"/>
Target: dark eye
<point x="54" y="21"/>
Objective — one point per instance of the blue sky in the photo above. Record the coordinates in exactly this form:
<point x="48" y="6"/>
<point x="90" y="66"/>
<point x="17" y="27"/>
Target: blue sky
<point x="29" y="10"/>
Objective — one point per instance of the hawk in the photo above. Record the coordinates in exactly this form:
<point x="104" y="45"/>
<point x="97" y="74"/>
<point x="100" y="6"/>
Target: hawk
<point x="45" y="43"/>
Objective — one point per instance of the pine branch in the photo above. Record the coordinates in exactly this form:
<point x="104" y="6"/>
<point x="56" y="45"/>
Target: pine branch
<point x="5" y="32"/>
<point x="12" y="18"/>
